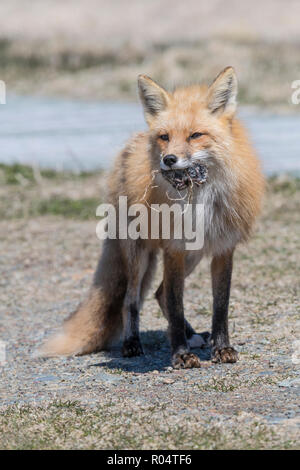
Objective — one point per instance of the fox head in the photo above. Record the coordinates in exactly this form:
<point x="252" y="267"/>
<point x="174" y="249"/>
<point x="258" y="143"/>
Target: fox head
<point x="192" y="124"/>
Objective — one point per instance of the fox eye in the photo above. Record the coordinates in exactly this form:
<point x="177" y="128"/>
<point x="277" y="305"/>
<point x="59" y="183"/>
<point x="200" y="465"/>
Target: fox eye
<point x="196" y="135"/>
<point x="164" y="137"/>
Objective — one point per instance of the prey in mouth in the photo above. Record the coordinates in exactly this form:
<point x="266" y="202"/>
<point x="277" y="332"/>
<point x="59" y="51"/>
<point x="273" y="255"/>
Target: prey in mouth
<point x="182" y="178"/>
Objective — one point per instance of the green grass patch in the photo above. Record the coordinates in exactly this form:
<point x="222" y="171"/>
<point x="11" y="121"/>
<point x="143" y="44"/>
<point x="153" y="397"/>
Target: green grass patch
<point x="286" y="184"/>
<point x="18" y="174"/>
<point x="60" y="206"/>
<point x="70" y="208"/>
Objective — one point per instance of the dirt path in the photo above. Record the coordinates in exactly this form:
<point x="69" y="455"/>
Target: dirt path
<point x="106" y="401"/>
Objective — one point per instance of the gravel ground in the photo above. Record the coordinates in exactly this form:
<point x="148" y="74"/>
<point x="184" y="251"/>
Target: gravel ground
<point x="106" y="401"/>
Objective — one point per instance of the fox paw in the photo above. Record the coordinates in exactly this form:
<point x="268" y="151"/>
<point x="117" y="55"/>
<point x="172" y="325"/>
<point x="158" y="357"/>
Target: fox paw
<point x="185" y="361"/>
<point x="132" y="347"/>
<point x="225" y="355"/>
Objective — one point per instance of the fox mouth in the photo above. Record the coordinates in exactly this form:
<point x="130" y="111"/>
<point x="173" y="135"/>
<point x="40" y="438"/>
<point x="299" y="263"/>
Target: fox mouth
<point x="182" y="178"/>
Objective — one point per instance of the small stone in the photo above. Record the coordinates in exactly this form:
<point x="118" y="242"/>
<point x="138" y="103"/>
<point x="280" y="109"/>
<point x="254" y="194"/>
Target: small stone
<point x="289" y="383"/>
<point x="47" y="378"/>
<point x="168" y="381"/>
<point x="108" y="378"/>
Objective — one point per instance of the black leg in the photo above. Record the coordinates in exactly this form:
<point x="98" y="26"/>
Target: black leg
<point x="173" y="300"/>
<point x="189" y="330"/>
<point x="221" y="270"/>
<point x="136" y="258"/>
<point x="131" y="344"/>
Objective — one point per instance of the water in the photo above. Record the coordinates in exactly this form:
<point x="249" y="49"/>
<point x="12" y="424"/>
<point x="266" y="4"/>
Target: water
<point x="77" y="135"/>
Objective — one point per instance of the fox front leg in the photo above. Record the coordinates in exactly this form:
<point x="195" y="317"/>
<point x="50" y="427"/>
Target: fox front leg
<point x="136" y="264"/>
<point x="131" y="344"/>
<point x="221" y="270"/>
<point x="195" y="340"/>
<point x="131" y="337"/>
<point x="173" y="299"/>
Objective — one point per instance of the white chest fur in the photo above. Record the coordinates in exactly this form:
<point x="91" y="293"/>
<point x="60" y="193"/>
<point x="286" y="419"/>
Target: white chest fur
<point x="220" y="232"/>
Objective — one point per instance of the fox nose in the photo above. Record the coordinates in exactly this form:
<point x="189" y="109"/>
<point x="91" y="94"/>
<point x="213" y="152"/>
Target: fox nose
<point x="169" y="160"/>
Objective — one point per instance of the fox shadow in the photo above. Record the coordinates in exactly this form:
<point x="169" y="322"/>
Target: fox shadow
<point x="157" y="355"/>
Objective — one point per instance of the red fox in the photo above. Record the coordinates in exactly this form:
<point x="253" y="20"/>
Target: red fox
<point x="191" y="130"/>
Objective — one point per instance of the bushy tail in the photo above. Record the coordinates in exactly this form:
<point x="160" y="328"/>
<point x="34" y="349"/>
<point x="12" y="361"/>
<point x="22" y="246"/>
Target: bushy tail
<point x="98" y="321"/>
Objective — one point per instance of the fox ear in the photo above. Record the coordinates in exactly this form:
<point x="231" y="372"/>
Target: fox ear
<point x="153" y="97"/>
<point x="222" y="92"/>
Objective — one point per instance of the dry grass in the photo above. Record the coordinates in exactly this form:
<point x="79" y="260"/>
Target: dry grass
<point x="97" y="54"/>
<point x="69" y="425"/>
